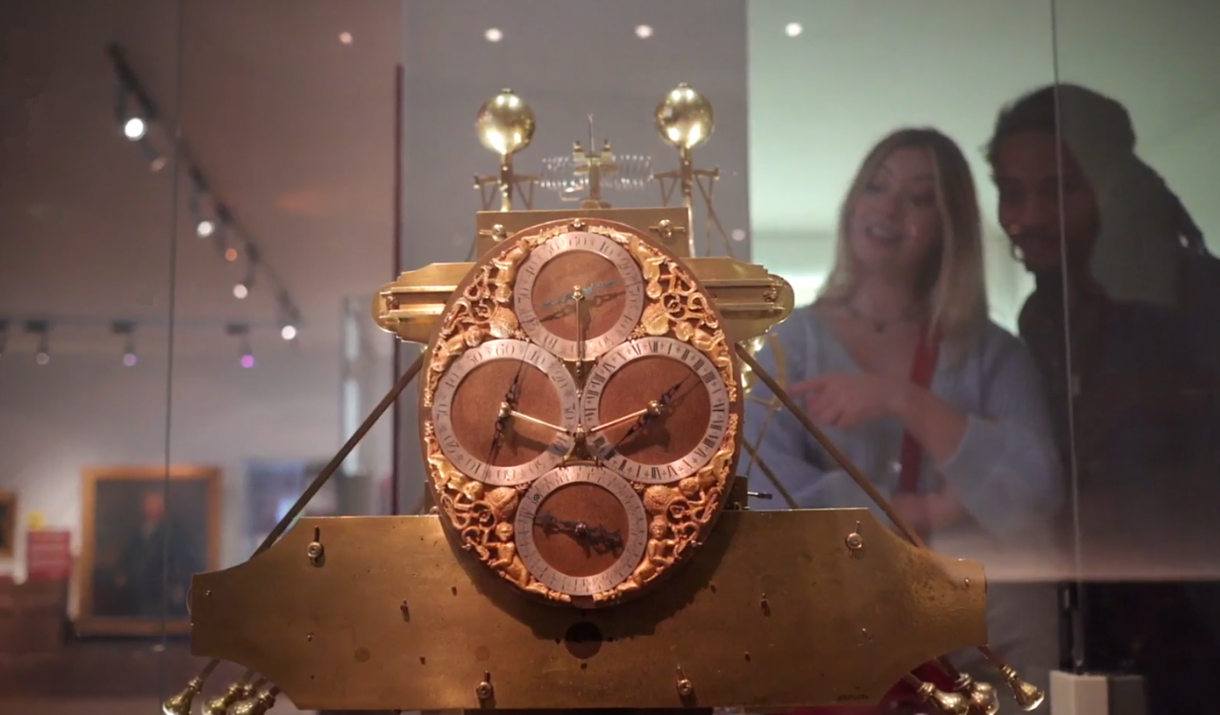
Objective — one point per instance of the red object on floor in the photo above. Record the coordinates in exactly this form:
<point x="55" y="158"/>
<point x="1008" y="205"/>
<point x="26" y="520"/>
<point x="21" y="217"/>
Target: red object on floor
<point x="901" y="692"/>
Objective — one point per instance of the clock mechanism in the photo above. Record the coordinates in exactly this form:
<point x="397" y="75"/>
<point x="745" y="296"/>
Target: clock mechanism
<point x="580" y="414"/>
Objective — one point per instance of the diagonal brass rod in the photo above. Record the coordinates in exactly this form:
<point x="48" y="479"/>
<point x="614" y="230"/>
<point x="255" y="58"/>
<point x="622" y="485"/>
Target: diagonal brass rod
<point x="858" y="477"/>
<point x="852" y="470"/>
<point x="330" y="468"/>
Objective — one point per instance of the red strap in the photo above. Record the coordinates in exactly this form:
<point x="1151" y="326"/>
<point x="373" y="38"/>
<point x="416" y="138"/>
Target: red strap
<point x="900" y="692"/>
<point x="922" y="367"/>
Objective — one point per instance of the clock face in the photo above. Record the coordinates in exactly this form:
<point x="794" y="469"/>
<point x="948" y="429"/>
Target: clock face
<point x="655" y="409"/>
<point x="579" y="294"/>
<point x="504" y="412"/>
<point x="581" y="530"/>
<point x="580" y="412"/>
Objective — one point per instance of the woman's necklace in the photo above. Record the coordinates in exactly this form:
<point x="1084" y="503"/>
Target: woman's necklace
<point x="879" y="325"/>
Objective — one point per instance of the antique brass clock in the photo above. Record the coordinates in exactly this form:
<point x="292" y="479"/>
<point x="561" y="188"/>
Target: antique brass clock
<point x="580" y="412"/>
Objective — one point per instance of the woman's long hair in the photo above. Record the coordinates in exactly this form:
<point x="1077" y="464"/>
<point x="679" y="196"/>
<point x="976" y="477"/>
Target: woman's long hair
<point x="952" y="283"/>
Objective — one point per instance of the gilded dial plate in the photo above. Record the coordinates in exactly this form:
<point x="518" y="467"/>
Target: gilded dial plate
<point x="505" y="412"/>
<point x="581" y="530"/>
<point x="655" y="410"/>
<point x="611" y="292"/>
<point x="580" y="412"/>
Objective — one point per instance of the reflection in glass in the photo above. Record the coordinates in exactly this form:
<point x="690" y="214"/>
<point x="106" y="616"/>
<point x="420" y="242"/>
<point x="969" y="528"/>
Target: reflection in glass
<point x="900" y="363"/>
<point x="1123" y="323"/>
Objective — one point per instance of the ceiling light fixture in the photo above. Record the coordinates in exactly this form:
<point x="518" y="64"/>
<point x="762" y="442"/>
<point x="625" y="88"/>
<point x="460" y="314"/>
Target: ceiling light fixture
<point x="493" y="35"/>
<point x="345" y="38"/>
<point x="793" y="29"/>
<point x="643" y="31"/>
<point x="135" y="129"/>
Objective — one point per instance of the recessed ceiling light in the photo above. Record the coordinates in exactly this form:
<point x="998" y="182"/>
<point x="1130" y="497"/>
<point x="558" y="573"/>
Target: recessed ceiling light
<point x="345" y="38"/>
<point x="643" y="31"/>
<point x="135" y="128"/>
<point x="793" y="29"/>
<point x="493" y="35"/>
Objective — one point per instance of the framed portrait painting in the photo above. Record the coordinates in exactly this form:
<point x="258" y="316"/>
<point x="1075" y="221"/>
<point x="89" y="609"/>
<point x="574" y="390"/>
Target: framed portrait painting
<point x="8" y="524"/>
<point x="145" y="532"/>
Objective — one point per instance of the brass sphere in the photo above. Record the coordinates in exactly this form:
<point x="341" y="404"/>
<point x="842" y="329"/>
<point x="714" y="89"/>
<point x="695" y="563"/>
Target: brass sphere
<point x="505" y="123"/>
<point x="685" y="117"/>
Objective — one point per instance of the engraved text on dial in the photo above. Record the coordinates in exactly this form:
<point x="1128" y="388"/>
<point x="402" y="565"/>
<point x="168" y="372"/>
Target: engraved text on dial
<point x="505" y="412"/>
<point x="606" y="276"/>
<point x="656" y="409"/>
<point x="581" y="530"/>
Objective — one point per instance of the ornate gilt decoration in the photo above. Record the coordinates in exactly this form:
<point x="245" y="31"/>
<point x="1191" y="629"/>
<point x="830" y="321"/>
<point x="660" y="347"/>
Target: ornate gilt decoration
<point x="680" y="514"/>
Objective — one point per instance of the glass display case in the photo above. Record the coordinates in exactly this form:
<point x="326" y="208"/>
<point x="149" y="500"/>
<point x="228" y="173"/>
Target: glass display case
<point x="996" y="222"/>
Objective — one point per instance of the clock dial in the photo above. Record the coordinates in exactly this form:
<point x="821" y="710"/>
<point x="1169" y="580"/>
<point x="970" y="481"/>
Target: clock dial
<point x="581" y="530"/>
<point x="656" y="410"/>
<point x="505" y="412"/>
<point x="579" y="294"/>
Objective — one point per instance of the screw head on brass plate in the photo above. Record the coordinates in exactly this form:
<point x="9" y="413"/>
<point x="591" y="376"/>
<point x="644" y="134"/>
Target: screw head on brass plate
<point x="685" y="687"/>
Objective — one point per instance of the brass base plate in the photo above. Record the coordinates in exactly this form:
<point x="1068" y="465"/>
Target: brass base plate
<point x="775" y="611"/>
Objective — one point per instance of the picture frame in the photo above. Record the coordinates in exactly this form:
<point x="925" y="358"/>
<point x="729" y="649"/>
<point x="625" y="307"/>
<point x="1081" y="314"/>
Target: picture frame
<point x="145" y="531"/>
<point x="8" y="524"/>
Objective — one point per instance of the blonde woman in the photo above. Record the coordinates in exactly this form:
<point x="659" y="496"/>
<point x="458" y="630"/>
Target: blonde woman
<point x="897" y="360"/>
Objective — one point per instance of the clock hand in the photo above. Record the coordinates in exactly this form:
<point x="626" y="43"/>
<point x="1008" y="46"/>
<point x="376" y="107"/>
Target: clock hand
<point x="506" y="410"/>
<point x="578" y="295"/>
<point x="646" y="418"/>
<point x="653" y="407"/>
<point x="594" y="293"/>
<point x="535" y="420"/>
<point x="599" y="537"/>
<point x="496" y="437"/>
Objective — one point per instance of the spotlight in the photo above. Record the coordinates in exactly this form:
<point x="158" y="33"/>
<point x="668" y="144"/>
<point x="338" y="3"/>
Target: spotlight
<point x="241" y="331"/>
<point x="205" y="228"/>
<point x="40" y="328"/>
<point x="156" y="162"/>
<point x="793" y="29"/>
<point x="242" y="289"/>
<point x="230" y="254"/>
<point x="493" y="35"/>
<point x="135" y="129"/>
<point x="288" y="332"/>
<point x="127" y="329"/>
<point x="345" y="38"/>
<point x="643" y="31"/>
